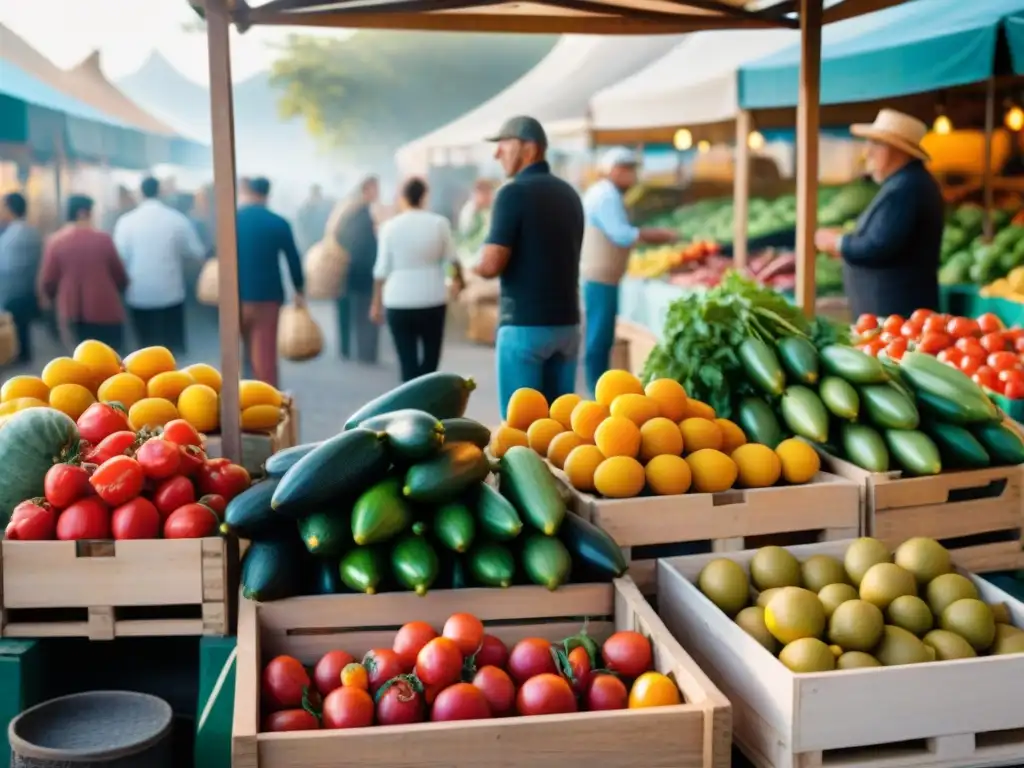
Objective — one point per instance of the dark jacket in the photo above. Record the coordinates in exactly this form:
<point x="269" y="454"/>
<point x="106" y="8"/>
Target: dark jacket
<point x="262" y="237"/>
<point x="891" y="260"/>
<point x="358" y="236"/>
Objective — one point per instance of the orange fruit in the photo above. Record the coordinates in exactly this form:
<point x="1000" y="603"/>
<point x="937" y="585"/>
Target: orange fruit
<point x="199" y="405"/>
<point x="124" y="388"/>
<point x="252" y="393"/>
<point x="586" y="417"/>
<point x="660" y="437"/>
<point x="541" y="433"/>
<point x="149" y="361"/>
<point x="205" y="374"/>
<point x="525" y="407"/>
<point x="653" y="689"/>
<point x="615" y="383"/>
<point x="700" y="433"/>
<point x="580" y="466"/>
<point x="561" y="445"/>
<point x="64" y="370"/>
<point x="619" y="477"/>
<point x="732" y="436"/>
<point x="668" y="475"/>
<point x="99" y="358"/>
<point x="152" y="412"/>
<point x="504" y="437"/>
<point x="618" y="436"/>
<point x="695" y="409"/>
<point x="71" y="399"/>
<point x="670" y="397"/>
<point x="355" y="676"/>
<point x="17" y="387"/>
<point x="169" y="385"/>
<point x="561" y="409"/>
<point x="637" y="408"/>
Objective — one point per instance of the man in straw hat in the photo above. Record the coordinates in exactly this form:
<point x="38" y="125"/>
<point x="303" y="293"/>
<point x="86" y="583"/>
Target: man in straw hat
<point x="891" y="259"/>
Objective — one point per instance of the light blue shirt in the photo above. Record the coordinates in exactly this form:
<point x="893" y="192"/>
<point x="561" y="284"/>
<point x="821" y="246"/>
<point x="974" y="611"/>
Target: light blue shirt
<point x="605" y="210"/>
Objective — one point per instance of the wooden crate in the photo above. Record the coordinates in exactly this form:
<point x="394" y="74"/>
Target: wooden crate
<point x="638" y="342"/>
<point x="257" y="447"/>
<point x="955" y="714"/>
<point x="695" y="733"/>
<point x="828" y="508"/>
<point x="107" y="589"/>
<point x="978" y="513"/>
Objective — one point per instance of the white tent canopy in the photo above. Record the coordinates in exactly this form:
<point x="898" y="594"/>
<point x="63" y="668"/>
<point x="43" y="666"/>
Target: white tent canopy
<point x="695" y="83"/>
<point x="556" y="91"/>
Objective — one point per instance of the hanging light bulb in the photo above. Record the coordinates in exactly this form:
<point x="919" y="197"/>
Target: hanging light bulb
<point x="682" y="140"/>
<point x="703" y="146"/>
<point x="755" y="140"/>
<point x="1014" y="119"/>
<point x="943" y="126"/>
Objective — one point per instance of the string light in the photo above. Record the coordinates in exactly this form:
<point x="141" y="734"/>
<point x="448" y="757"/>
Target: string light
<point x="703" y="146"/>
<point x="943" y="126"/>
<point x="755" y="140"/>
<point x="1014" y="119"/>
<point x="682" y="140"/>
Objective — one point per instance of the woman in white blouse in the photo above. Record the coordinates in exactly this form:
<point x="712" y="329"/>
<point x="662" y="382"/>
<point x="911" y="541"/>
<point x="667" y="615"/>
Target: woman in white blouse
<point x="415" y="254"/>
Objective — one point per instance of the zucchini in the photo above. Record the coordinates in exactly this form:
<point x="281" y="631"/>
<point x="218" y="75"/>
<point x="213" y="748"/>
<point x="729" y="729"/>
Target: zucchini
<point x="272" y="569"/>
<point x="414" y="563"/>
<point x="463" y="430"/>
<point x="896" y="377"/>
<point x="759" y="422"/>
<point x="546" y="561"/>
<point x="362" y="569"/>
<point x="282" y="461"/>
<point x="957" y="446"/>
<point x="914" y="451"/>
<point x="840" y="397"/>
<point x="454" y="526"/>
<point x="853" y="365"/>
<point x="949" y="411"/>
<point x="799" y="358"/>
<point x="448" y="475"/>
<point x="805" y="414"/>
<point x="327" y="533"/>
<point x="762" y="366"/>
<point x="412" y="435"/>
<point x="380" y="513"/>
<point x="863" y="446"/>
<point x="339" y="468"/>
<point x="965" y="398"/>
<point x="1001" y="443"/>
<point x="324" y="577"/>
<point x="527" y="483"/>
<point x="595" y="554"/>
<point x="442" y="395"/>
<point x="492" y="565"/>
<point x="496" y="515"/>
<point x="250" y="516"/>
<point x="887" y="407"/>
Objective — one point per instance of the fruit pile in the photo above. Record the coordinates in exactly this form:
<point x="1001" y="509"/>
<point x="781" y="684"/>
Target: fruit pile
<point x="403" y="498"/>
<point x="633" y="438"/>
<point x="100" y="479"/>
<point x="147" y="383"/>
<point x="462" y="674"/>
<point x="876" y="608"/>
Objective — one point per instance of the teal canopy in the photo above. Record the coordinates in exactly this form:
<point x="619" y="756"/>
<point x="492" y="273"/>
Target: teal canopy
<point x="920" y="46"/>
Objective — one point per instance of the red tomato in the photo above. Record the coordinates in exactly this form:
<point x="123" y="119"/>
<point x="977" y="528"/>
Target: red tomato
<point x="1002" y="361"/>
<point x="951" y="356"/>
<point x="399" y="704"/>
<point x="348" y="708"/>
<point x="192" y="460"/>
<point x="918" y="316"/>
<point x="874" y="346"/>
<point x="381" y="665"/>
<point x="492" y="653"/>
<point x="291" y="720"/>
<point x="545" y="694"/>
<point x="896" y="349"/>
<point x="117" y="444"/>
<point x="933" y="343"/>
<point x="993" y="342"/>
<point x="100" y="420"/>
<point x="910" y="330"/>
<point x="180" y="432"/>
<point x="529" y="657"/>
<point x="32" y="520"/>
<point x="1010" y="375"/>
<point x="223" y="478"/>
<point x="461" y="701"/>
<point x="969" y="364"/>
<point x="158" y="458"/>
<point x="64" y="484"/>
<point x="606" y="692"/>
<point x="1014" y="390"/>
<point x="1018" y="345"/>
<point x="498" y="688"/>
<point x="215" y="502"/>
<point x="284" y="683"/>
<point x="466" y="631"/>
<point x="935" y="324"/>
<point x="866" y="323"/>
<point x="327" y="672"/>
<point x="962" y="327"/>
<point x="579" y="664"/>
<point x="173" y="493"/>
<point x="439" y="662"/>
<point x="985" y="377"/>
<point x="892" y="324"/>
<point x="410" y="639"/>
<point x="118" y="480"/>
<point x="87" y="518"/>
<point x="970" y="346"/>
<point x="887" y="337"/>
<point x="138" y="519"/>
<point x="627" y="653"/>
<point x="192" y="521"/>
<point x="990" y="323"/>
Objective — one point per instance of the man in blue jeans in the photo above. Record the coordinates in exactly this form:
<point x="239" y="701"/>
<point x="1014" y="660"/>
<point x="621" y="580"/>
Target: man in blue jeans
<point x="607" y="241"/>
<point x="534" y="245"/>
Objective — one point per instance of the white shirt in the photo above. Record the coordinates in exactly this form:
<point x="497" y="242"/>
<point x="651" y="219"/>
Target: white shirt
<point x="413" y="250"/>
<point x="153" y="241"/>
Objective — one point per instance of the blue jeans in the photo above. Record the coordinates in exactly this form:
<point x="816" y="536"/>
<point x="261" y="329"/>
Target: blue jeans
<point x="542" y="357"/>
<point x="601" y="305"/>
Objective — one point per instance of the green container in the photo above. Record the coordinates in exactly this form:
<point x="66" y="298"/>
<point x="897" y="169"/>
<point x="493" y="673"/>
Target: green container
<point x="1011" y="582"/>
<point x="216" y="707"/>
<point x="1012" y="408"/>
<point x="21" y="667"/>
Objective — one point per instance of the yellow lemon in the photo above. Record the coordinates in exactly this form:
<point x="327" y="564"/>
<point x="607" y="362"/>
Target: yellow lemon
<point x="24" y="386"/>
<point x="64" y="370"/>
<point x="712" y="471"/>
<point x="99" y="358"/>
<point x="169" y="385"/>
<point x="251" y="392"/>
<point x="541" y="433"/>
<point x="800" y="462"/>
<point x="653" y="689"/>
<point x="561" y="445"/>
<point x="202" y="373"/>
<point x="670" y="397"/>
<point x="151" y="412"/>
<point x="525" y="407"/>
<point x="637" y="408"/>
<point x="199" y="405"/>
<point x="586" y="417"/>
<point x="615" y="383"/>
<point x="757" y="465"/>
<point x="668" y="475"/>
<point x="619" y="477"/>
<point x="732" y="436"/>
<point x="71" y="399"/>
<point x="580" y="466"/>
<point x="617" y="436"/>
<point x="149" y="361"/>
<point x="124" y="388"/>
<point x="695" y="409"/>
<point x="561" y="409"/>
<point x="260" y="418"/>
<point x="700" y="433"/>
<point x="659" y="437"/>
<point x="505" y="437"/>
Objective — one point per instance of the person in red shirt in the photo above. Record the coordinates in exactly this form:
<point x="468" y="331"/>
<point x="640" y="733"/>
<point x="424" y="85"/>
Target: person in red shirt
<point x="83" y="276"/>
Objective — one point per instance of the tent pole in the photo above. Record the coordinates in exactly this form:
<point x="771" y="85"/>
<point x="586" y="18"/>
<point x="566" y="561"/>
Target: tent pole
<point x="741" y="191"/>
<point x="218" y="25"/>
<point x="990" y="126"/>
<point x="808" y="120"/>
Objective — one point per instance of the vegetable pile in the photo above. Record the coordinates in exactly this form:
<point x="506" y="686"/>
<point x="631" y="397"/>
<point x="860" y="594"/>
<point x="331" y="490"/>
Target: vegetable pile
<point x="404" y="499"/>
<point x="462" y="674"/>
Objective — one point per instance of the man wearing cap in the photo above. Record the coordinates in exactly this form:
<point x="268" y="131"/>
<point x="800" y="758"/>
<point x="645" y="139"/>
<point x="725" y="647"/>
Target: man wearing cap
<point x="607" y="240"/>
<point x="891" y="259"/>
<point x="533" y="244"/>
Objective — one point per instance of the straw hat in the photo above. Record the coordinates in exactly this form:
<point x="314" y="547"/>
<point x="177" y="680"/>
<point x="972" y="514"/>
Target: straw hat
<point x="896" y="129"/>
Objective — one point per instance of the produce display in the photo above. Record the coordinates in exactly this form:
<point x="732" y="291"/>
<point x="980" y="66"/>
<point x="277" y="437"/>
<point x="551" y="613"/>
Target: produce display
<point x="1010" y="287"/>
<point x="967" y="258"/>
<point x="655" y="261"/>
<point x="147" y="385"/>
<point x="404" y="498"/>
<point x="875" y="608"/>
<point x="462" y="673"/>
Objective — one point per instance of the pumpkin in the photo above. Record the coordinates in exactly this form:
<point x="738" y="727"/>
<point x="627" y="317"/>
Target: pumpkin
<point x="31" y="442"/>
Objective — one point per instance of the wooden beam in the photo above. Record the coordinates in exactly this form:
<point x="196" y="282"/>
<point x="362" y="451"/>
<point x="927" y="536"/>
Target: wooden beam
<point x="807" y="135"/>
<point x="741" y="191"/>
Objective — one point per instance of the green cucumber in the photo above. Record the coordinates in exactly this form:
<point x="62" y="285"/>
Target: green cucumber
<point x="282" y="461"/>
<point x="941" y="409"/>
<point x="339" y="468"/>
<point x="327" y="533"/>
<point x="840" y="397"/>
<point x="272" y="569"/>
<point x="362" y="569"/>
<point x="958" y="448"/>
<point x="250" y="516"/>
<point x="762" y="366"/>
<point x="454" y="526"/>
<point x="805" y="414"/>
<point x="943" y="382"/>
<point x="380" y="513"/>
<point x="414" y="563"/>
<point x="863" y="446"/>
<point x="526" y="481"/>
<point x="853" y="365"/>
<point x="1001" y="443"/>
<point x="442" y="395"/>
<point x="800" y="358"/>
<point x="886" y="407"/>
<point x="896" y="377"/>
<point x="412" y="435"/>
<point x="595" y="554"/>
<point x="448" y="475"/>
<point x="463" y="430"/>
<point x="496" y="515"/>
<point x="546" y="561"/>
<point x="492" y="565"/>
<point x="460" y="573"/>
<point x="759" y="422"/>
<point x="324" y="577"/>
<point x="914" y="451"/>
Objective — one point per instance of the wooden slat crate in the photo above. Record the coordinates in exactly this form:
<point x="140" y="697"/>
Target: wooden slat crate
<point x="257" y="447"/>
<point x="638" y="342"/>
<point x="694" y="734"/>
<point x="827" y="508"/>
<point x="107" y="589"/>
<point x="967" y="713"/>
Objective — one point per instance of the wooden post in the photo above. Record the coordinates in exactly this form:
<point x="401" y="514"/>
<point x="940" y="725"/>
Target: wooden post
<point x="986" y="172"/>
<point x="807" y="129"/>
<point x="741" y="191"/>
<point x="218" y="26"/>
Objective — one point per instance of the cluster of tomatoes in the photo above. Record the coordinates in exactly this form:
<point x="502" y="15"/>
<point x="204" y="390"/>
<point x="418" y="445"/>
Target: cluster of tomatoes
<point x="985" y="349"/>
<point x="123" y="484"/>
<point x="462" y="674"/>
